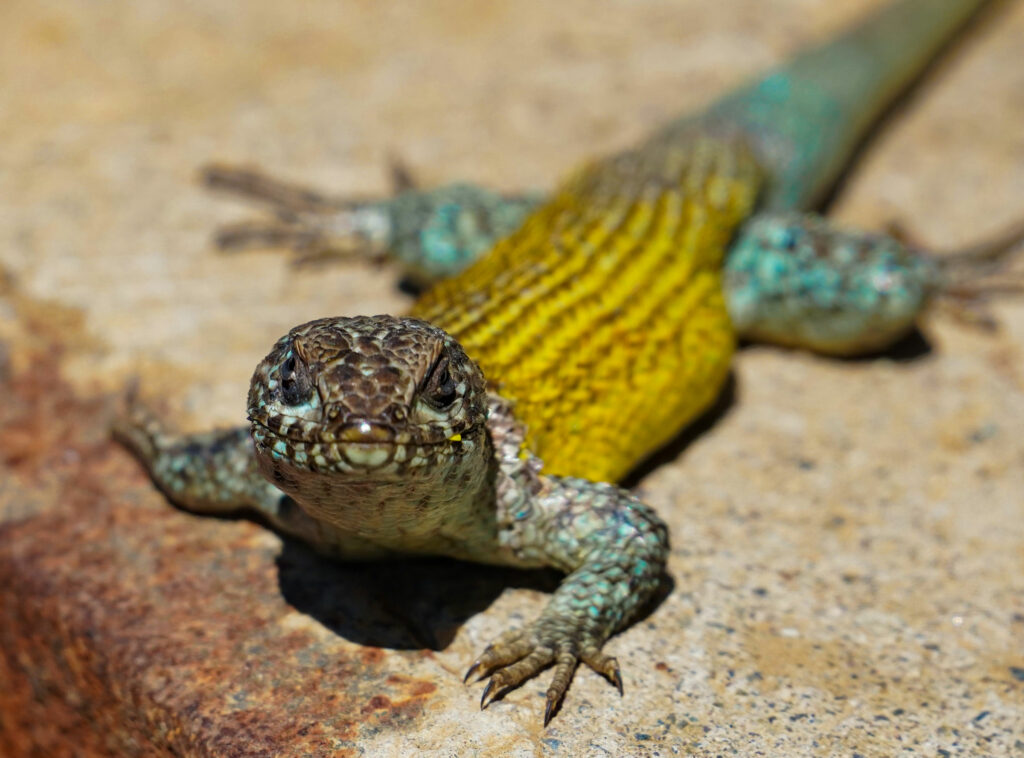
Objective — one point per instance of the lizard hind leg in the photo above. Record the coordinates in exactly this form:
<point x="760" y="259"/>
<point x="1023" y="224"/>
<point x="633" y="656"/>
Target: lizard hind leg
<point x="434" y="233"/>
<point x="315" y="227"/>
<point x="799" y="281"/>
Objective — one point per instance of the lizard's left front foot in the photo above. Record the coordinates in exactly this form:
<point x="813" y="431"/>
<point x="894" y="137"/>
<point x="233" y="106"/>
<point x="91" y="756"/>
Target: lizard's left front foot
<point x="520" y="654"/>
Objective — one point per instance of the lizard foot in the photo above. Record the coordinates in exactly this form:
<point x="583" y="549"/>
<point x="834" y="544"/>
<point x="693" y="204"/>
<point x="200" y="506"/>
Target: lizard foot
<point x="309" y="245"/>
<point x="518" y="655"/>
<point x="434" y="233"/>
<point x="135" y="426"/>
<point x="314" y="226"/>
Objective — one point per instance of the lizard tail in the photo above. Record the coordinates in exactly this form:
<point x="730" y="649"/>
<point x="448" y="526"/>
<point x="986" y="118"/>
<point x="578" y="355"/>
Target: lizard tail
<point x="807" y="117"/>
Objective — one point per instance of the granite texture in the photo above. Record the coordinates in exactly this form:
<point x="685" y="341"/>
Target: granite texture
<point x="848" y="560"/>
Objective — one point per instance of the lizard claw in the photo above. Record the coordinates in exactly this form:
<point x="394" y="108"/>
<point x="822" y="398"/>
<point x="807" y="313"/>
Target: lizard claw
<point x="516" y="656"/>
<point x="136" y="427"/>
<point x="484" y="702"/>
<point x="549" y="709"/>
<point x="472" y="670"/>
<point x="316" y="227"/>
<point x="605" y="665"/>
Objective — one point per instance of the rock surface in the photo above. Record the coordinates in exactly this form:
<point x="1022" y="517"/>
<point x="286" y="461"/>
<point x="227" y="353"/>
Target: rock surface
<point x="848" y="560"/>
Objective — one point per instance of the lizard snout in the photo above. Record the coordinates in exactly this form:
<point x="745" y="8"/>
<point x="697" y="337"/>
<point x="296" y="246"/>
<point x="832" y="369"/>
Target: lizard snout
<point x="364" y="432"/>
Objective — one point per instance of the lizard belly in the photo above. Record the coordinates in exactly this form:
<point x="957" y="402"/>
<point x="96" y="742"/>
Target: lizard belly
<point x="602" y="318"/>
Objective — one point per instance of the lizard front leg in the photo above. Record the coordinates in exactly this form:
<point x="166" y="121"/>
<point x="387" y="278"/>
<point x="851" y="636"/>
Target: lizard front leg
<point x="614" y="549"/>
<point x="211" y="473"/>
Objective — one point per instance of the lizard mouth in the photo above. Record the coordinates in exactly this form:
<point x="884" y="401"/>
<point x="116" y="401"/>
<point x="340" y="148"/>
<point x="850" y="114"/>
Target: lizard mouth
<point x="360" y="432"/>
<point x="355" y="447"/>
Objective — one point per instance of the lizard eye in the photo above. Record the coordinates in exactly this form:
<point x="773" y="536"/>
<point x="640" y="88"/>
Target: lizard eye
<point x="295" y="381"/>
<point x="439" y="388"/>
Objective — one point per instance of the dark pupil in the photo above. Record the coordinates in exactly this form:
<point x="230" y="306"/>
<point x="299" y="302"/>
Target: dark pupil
<point x="293" y="386"/>
<point x="444" y="392"/>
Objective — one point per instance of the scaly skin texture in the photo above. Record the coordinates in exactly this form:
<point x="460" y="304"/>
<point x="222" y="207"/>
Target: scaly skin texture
<point x="802" y="120"/>
<point x="603" y="315"/>
<point x="602" y="318"/>
<point x="789" y="278"/>
<point x="795" y="280"/>
<point x="602" y="329"/>
<point x="382" y="433"/>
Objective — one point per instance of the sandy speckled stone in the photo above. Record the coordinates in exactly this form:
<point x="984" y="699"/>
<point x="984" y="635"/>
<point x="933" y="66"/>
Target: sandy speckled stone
<point x="848" y="537"/>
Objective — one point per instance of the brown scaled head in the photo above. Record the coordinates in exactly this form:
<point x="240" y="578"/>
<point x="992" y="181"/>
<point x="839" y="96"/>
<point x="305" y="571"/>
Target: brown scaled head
<point x="367" y="393"/>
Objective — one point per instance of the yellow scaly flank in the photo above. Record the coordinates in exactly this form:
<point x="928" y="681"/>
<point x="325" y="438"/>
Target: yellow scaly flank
<point x="602" y="318"/>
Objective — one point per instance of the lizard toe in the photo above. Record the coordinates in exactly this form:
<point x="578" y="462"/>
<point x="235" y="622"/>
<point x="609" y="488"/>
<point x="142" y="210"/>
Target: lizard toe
<point x="508" y="648"/>
<point x="605" y="665"/>
<point x="514" y="674"/>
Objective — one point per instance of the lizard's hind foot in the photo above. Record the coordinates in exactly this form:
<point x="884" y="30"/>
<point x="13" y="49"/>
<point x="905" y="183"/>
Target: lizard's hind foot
<point x="972" y="276"/>
<point x="433" y="233"/>
<point x="314" y="226"/>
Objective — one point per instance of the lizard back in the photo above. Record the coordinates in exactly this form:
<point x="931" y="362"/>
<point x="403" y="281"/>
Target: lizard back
<point x="602" y="318"/>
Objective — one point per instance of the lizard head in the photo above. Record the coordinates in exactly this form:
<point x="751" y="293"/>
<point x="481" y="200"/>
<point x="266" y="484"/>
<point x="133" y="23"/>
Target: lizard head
<point x="354" y="414"/>
<point x="365" y="394"/>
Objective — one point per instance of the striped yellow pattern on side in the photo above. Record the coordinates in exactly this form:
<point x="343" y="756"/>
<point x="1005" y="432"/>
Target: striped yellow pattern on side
<point x="602" y="318"/>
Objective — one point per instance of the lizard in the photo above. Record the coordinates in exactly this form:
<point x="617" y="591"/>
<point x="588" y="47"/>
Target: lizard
<point x="601" y="326"/>
<point x="791" y="278"/>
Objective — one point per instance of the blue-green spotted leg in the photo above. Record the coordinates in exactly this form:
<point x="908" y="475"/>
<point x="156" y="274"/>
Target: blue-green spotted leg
<point x="217" y="473"/>
<point x="797" y="280"/>
<point x="613" y="548"/>
<point x="433" y="233"/>
<point x="211" y="473"/>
